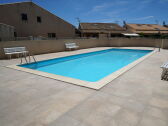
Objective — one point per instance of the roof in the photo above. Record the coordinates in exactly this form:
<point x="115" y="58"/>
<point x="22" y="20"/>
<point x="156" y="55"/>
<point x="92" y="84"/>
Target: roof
<point x="152" y="32"/>
<point x="147" y="27"/>
<point x="16" y="3"/>
<point x="101" y="26"/>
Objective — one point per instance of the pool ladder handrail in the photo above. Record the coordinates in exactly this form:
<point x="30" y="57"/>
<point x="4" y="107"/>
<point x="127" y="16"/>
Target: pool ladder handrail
<point x="24" y="55"/>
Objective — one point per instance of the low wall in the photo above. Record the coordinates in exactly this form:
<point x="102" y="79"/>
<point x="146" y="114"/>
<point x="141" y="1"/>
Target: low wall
<point x="49" y="46"/>
<point x="139" y="42"/>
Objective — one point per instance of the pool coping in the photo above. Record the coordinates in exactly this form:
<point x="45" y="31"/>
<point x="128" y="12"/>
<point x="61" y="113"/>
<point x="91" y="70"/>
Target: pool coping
<point x="93" y="85"/>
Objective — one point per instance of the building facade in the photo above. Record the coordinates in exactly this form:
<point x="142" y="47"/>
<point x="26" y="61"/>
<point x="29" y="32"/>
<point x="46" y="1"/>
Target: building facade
<point x="101" y="30"/>
<point x="6" y="32"/>
<point x="30" y="19"/>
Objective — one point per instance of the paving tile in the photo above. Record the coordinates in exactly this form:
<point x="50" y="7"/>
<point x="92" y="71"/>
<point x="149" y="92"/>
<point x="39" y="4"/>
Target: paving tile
<point x="134" y="105"/>
<point x="117" y="100"/>
<point x="141" y="97"/>
<point x="128" y="116"/>
<point x="121" y="92"/>
<point x="81" y="111"/>
<point x="157" y="112"/>
<point x="65" y="121"/>
<point x="119" y="122"/>
<point x="97" y="110"/>
<point x="162" y="89"/>
<point x="158" y="102"/>
<point x="152" y="121"/>
<point x="96" y="119"/>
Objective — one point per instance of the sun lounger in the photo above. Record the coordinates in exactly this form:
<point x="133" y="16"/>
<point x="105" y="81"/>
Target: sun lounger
<point x="164" y="75"/>
<point x="71" y="46"/>
<point x="15" y="51"/>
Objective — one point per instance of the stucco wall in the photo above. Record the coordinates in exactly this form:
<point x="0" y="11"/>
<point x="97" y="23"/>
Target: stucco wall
<point x="11" y="14"/>
<point x="6" y="32"/>
<point x="48" y="46"/>
<point x="142" y="42"/>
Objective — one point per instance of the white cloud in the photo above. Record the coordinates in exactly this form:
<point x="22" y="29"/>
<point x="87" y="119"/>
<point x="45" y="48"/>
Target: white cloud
<point x="108" y="20"/>
<point x="122" y="2"/>
<point x="108" y="5"/>
<point x="142" y="18"/>
<point x="146" y="1"/>
<point x="100" y="7"/>
<point x="103" y="8"/>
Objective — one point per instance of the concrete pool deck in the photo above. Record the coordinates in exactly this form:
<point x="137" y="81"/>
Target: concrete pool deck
<point x="136" y="98"/>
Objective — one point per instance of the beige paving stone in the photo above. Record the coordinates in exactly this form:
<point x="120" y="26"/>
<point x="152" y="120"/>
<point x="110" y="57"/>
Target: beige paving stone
<point x="144" y="97"/>
<point x="108" y="109"/>
<point x="127" y="116"/>
<point x="88" y="106"/>
<point x="158" y="102"/>
<point x="162" y="90"/>
<point x="96" y="119"/>
<point x="62" y="104"/>
<point x="117" y="100"/>
<point x="121" y="92"/>
<point x="95" y="111"/>
<point x="156" y="112"/>
<point x="65" y="121"/>
<point x="119" y="122"/>
<point x="152" y="121"/>
<point x="134" y="105"/>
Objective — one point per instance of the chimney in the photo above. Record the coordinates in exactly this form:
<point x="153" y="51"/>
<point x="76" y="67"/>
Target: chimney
<point x="124" y="22"/>
<point x="125" y="25"/>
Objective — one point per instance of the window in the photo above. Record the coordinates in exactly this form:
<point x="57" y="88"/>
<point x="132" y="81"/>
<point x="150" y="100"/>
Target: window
<point x="15" y="34"/>
<point x="24" y="17"/>
<point x="38" y="19"/>
<point x="95" y="35"/>
<point x="51" y="35"/>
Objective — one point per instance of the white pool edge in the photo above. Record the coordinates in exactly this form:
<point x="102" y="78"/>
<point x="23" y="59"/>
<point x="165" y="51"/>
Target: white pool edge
<point x="93" y="85"/>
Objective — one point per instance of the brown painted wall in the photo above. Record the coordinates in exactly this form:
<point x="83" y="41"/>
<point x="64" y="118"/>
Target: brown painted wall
<point x="11" y="14"/>
<point x="49" y="46"/>
<point x="6" y="32"/>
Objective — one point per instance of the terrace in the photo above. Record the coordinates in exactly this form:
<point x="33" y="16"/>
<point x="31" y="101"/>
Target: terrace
<point x="136" y="98"/>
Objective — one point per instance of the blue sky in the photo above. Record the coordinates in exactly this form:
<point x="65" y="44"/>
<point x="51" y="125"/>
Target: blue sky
<point x="132" y="11"/>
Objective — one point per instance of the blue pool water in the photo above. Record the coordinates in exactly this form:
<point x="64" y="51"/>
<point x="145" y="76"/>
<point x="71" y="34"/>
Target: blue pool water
<point x="89" y="66"/>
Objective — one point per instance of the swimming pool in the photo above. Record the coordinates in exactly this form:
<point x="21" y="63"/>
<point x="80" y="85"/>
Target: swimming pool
<point x="88" y="68"/>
